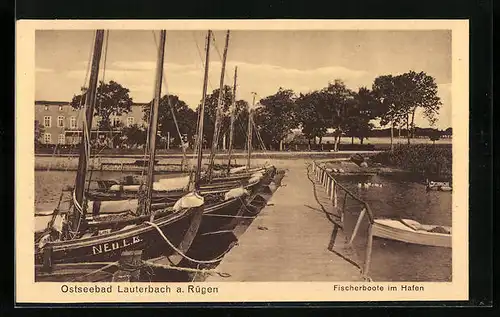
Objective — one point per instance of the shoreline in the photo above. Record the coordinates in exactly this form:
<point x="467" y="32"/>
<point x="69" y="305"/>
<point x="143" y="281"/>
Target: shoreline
<point x="170" y="163"/>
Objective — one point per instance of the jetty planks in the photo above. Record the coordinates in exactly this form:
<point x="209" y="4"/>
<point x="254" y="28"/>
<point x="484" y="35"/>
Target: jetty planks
<point x="289" y="240"/>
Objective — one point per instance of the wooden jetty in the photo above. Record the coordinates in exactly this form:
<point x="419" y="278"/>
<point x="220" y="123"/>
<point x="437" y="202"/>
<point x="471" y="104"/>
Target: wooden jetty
<point x="291" y="238"/>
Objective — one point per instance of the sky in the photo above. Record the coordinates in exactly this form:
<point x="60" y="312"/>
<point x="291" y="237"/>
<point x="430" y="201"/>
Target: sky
<point x="266" y="60"/>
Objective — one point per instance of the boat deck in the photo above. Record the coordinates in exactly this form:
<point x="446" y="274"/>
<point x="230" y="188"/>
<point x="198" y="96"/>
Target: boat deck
<point x="289" y="239"/>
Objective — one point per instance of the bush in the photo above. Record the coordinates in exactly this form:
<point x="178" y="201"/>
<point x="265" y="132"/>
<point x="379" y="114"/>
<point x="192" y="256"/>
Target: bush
<point x="429" y="160"/>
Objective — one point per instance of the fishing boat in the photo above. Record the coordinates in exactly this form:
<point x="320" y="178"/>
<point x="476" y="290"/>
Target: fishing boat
<point x="224" y="196"/>
<point x="213" y="180"/>
<point x="70" y="245"/>
<point x="169" y="189"/>
<point x="411" y="231"/>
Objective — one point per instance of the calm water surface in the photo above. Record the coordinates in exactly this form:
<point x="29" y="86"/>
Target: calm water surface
<point x="401" y="197"/>
<point x="48" y="184"/>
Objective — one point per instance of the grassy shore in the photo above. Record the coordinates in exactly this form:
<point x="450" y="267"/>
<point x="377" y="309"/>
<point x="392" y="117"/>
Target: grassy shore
<point x="427" y="160"/>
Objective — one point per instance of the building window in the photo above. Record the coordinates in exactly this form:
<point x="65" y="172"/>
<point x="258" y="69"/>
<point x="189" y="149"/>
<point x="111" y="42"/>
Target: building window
<point x="116" y="122"/>
<point x="130" y="121"/>
<point x="60" y="121"/>
<point x="47" y="138"/>
<point x="60" y="108"/>
<point x="46" y="108"/>
<point x="47" y="120"/>
<point x="61" y="139"/>
<point x="72" y="122"/>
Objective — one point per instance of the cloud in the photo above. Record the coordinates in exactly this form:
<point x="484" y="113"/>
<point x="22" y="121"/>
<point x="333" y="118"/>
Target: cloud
<point x="186" y="80"/>
<point x="149" y="66"/>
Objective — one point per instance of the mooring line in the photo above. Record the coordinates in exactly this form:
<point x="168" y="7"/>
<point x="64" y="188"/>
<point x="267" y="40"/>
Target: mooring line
<point x="227" y="216"/>
<point x="186" y="269"/>
<point x="215" y="260"/>
<point x="96" y="271"/>
<point x="216" y="232"/>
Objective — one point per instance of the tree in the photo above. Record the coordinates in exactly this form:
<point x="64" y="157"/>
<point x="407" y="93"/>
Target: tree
<point x="111" y="99"/>
<point x="38" y="132"/>
<point x="338" y="98"/>
<point x="448" y="132"/>
<point x="185" y="116"/>
<point x="360" y="113"/>
<point x="240" y="117"/>
<point x="420" y="91"/>
<point x="388" y="91"/>
<point x="240" y="125"/>
<point x="276" y="117"/>
<point x="210" y="112"/>
<point x="312" y="115"/>
<point x="434" y="136"/>
<point x="135" y="135"/>
<point x="400" y="96"/>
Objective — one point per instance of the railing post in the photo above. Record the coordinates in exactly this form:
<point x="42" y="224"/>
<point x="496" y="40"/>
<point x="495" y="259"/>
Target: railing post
<point x="368" y="254"/>
<point x="330" y="186"/>
<point x="334" y="193"/>
<point x="358" y="223"/>
<point x="343" y="208"/>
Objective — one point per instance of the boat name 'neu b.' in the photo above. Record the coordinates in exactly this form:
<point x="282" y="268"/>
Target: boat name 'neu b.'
<point x="111" y="246"/>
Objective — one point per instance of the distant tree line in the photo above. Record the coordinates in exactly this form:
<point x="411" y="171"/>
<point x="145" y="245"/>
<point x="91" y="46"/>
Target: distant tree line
<point x="393" y="100"/>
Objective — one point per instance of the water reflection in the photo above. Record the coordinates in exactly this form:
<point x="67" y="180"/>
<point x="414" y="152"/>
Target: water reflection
<point x="400" y="197"/>
<point x="48" y="184"/>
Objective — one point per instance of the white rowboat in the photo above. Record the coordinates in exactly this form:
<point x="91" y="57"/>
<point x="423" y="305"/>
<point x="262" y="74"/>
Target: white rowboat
<point x="411" y="231"/>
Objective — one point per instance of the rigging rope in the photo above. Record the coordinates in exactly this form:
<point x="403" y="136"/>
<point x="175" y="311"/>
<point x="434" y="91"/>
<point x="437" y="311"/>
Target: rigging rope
<point x="216" y="260"/>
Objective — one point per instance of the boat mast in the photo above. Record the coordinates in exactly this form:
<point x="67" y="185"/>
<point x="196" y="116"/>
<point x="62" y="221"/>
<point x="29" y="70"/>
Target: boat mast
<point x="202" y="112"/>
<point x="250" y="134"/>
<point x="153" y="124"/>
<point x="233" y="110"/>
<point x="90" y="98"/>
<point x="215" y="139"/>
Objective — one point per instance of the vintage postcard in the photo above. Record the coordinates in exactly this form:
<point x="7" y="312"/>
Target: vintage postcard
<point x="241" y="161"/>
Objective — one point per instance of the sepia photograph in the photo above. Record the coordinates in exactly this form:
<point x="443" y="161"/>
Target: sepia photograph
<point x="172" y="161"/>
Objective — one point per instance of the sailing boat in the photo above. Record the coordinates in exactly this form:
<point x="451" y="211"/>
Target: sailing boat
<point x="170" y="189"/>
<point x="70" y="245"/>
<point x="224" y="197"/>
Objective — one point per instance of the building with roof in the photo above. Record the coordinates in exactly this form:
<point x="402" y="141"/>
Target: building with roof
<point x="60" y="123"/>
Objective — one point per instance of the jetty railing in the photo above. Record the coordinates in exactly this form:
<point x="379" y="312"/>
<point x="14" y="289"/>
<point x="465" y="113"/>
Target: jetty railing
<point x="356" y="220"/>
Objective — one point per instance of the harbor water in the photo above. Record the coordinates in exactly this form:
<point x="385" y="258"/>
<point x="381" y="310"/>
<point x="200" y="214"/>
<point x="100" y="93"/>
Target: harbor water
<point x="397" y="198"/>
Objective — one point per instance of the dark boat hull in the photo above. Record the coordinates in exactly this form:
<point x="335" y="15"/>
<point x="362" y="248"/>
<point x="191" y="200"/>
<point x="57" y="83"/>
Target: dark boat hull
<point x="81" y="272"/>
<point x="222" y="216"/>
<point x="179" y="228"/>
